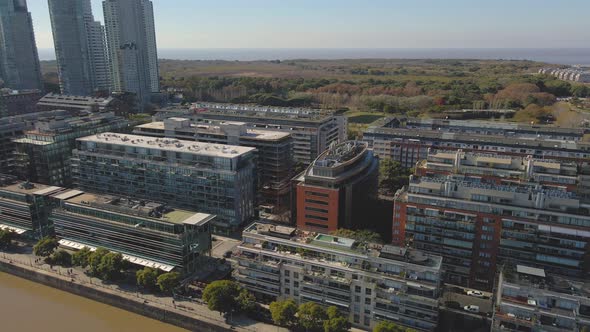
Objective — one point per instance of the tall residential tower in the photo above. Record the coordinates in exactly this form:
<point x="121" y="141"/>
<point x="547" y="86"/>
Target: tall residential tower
<point x="80" y="48"/>
<point x="19" y="60"/>
<point x="132" y="48"/>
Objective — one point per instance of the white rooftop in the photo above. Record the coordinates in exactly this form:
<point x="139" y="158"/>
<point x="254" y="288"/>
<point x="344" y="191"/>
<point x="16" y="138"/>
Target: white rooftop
<point x="168" y="144"/>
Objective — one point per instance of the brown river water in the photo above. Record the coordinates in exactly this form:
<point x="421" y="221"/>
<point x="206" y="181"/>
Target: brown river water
<point x="27" y="306"/>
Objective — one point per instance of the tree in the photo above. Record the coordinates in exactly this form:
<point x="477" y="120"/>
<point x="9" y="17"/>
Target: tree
<point x="147" y="278"/>
<point x="335" y="322"/>
<point x="95" y="260"/>
<point x="246" y="301"/>
<point x="81" y="257"/>
<point x="338" y="324"/>
<point x="221" y="295"/>
<point x="110" y="266"/>
<point x="6" y="238"/>
<point x="311" y="316"/>
<point x="45" y="247"/>
<point x="392" y="176"/>
<point x="387" y="326"/>
<point x="61" y="257"/>
<point x="284" y="313"/>
<point x="168" y="281"/>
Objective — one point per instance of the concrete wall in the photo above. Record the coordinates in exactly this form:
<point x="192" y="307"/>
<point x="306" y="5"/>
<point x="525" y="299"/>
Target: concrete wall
<point x="138" y="307"/>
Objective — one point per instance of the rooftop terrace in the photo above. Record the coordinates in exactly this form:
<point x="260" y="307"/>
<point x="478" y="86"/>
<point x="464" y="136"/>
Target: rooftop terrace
<point x="144" y="209"/>
<point x="344" y="245"/>
<point x="172" y="145"/>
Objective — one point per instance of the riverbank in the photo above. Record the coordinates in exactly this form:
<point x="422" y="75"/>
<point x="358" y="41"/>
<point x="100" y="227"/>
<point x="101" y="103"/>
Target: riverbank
<point x="180" y="314"/>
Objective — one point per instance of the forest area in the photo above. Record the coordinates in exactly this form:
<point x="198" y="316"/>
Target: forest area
<point x="369" y="89"/>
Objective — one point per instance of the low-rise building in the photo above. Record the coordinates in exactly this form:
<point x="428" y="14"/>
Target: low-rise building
<point x="147" y="233"/>
<point x="529" y="299"/>
<point x="274" y="159"/>
<point x="312" y="130"/>
<point x="42" y="154"/>
<point x="211" y="178"/>
<point x="367" y="282"/>
<point x="336" y="188"/>
<point x="25" y="206"/>
<point x="53" y="101"/>
<point x="408" y="140"/>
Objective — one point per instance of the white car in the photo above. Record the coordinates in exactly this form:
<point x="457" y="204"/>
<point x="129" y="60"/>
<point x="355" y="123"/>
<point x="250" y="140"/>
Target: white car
<point x="475" y="293"/>
<point x="471" y="308"/>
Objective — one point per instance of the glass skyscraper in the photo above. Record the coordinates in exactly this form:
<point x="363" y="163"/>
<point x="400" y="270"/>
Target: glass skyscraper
<point x="19" y="60"/>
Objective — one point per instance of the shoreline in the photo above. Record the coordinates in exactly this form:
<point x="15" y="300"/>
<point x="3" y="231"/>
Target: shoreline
<point x="118" y="299"/>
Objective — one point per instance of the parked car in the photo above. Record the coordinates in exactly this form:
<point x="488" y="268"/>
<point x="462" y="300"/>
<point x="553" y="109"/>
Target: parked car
<point x="475" y="293"/>
<point x="471" y="308"/>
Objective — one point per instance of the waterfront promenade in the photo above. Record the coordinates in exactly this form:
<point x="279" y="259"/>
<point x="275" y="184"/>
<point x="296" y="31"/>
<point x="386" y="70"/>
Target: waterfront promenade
<point x="26" y="260"/>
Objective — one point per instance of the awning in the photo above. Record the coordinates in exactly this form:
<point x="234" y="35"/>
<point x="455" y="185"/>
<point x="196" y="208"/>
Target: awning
<point x="16" y="230"/>
<point x="129" y="258"/>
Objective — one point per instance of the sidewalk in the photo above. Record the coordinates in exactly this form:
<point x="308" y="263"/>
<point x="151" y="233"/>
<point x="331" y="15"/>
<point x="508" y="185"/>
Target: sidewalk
<point x="187" y="308"/>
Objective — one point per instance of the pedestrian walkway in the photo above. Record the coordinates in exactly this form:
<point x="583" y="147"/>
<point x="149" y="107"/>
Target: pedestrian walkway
<point x="188" y="308"/>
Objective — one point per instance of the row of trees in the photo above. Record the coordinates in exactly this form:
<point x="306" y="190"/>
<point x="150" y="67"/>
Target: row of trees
<point x="105" y="265"/>
<point x="308" y="316"/>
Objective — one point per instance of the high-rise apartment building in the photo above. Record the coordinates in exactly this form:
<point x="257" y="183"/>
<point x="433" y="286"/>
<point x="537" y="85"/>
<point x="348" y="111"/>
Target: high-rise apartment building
<point x="80" y="48"/>
<point x="408" y="140"/>
<point x="42" y="154"/>
<point x="19" y="59"/>
<point x="336" y="188"/>
<point x="212" y="178"/>
<point x="131" y="41"/>
<point x="274" y="148"/>
<point x="312" y="130"/>
<point x="367" y="282"/>
<point x="482" y="210"/>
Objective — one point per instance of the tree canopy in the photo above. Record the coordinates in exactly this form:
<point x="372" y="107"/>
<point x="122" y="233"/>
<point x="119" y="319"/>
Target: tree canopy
<point x="147" y="278"/>
<point x="61" y="257"/>
<point x="284" y="313"/>
<point x="311" y="316"/>
<point x="392" y="176"/>
<point x="45" y="247"/>
<point x="81" y="257"/>
<point x="222" y="295"/>
<point x="168" y="281"/>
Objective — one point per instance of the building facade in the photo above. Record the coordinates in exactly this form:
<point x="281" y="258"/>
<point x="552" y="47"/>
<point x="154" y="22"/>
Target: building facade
<point x="215" y="179"/>
<point x="147" y="233"/>
<point x="312" y="130"/>
<point x="80" y="48"/>
<point x="42" y="154"/>
<point x="19" y="59"/>
<point x="132" y="48"/>
<point x="367" y="282"/>
<point x="482" y="210"/>
<point x="529" y="299"/>
<point x="25" y="207"/>
<point x="274" y="160"/>
<point x="408" y="140"/>
<point x="337" y="186"/>
<point x="14" y="127"/>
<point x="15" y="102"/>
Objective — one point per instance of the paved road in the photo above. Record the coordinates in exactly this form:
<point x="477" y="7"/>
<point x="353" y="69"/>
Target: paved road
<point x="25" y="259"/>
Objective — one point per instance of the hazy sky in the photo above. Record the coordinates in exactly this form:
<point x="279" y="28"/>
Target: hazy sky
<point x="358" y="23"/>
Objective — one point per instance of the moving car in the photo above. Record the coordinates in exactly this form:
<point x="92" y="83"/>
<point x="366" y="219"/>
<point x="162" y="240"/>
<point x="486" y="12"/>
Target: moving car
<point x="471" y="308"/>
